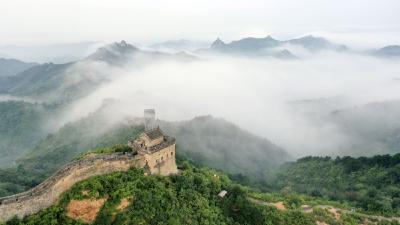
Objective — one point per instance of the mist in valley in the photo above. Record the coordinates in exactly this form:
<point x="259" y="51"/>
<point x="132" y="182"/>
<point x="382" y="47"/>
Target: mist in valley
<point x="282" y="100"/>
<point x="267" y="112"/>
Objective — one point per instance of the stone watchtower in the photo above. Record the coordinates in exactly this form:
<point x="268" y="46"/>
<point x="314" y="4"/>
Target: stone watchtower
<point x="156" y="150"/>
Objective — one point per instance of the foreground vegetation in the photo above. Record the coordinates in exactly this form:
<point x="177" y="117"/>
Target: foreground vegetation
<point x="369" y="184"/>
<point x="188" y="198"/>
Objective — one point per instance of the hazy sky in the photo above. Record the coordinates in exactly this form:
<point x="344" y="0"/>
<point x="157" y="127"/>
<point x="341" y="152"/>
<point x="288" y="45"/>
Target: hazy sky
<point x="55" y="21"/>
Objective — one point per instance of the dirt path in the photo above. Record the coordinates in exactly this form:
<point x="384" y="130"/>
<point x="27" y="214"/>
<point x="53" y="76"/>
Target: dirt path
<point x="397" y="219"/>
<point x="278" y="205"/>
<point x="335" y="211"/>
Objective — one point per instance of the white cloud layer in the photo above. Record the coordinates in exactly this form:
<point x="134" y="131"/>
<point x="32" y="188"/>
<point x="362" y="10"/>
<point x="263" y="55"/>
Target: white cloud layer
<point x="254" y="93"/>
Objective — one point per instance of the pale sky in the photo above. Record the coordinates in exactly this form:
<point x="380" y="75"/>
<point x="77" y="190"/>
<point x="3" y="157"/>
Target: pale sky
<point x="26" y="22"/>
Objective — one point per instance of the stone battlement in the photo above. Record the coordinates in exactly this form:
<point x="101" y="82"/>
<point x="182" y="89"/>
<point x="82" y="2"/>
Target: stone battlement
<point x="50" y="190"/>
<point x="168" y="141"/>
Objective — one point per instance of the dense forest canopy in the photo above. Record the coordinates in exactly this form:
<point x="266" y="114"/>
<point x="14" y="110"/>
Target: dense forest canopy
<point x="369" y="183"/>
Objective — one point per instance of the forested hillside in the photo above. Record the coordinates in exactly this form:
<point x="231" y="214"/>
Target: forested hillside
<point x="10" y="67"/>
<point x="204" y="141"/>
<point x="21" y="126"/>
<point x="188" y="198"/>
<point x="219" y="144"/>
<point x="70" y="81"/>
<point x="371" y="184"/>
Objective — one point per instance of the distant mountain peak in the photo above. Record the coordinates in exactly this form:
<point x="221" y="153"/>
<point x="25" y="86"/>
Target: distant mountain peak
<point x="249" y="45"/>
<point x="269" y="37"/>
<point x="285" y="54"/>
<point x="315" y="43"/>
<point x="217" y="43"/>
<point x="123" y="43"/>
<point x="122" y="46"/>
<point x="311" y="36"/>
<point x="113" y="52"/>
<point x="267" y="46"/>
<point x="390" y="51"/>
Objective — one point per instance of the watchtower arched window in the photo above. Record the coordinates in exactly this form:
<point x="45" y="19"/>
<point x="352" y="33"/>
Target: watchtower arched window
<point x="162" y="158"/>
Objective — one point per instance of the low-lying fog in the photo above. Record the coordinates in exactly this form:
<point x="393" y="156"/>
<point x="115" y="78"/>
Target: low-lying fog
<point x="4" y="98"/>
<point x="253" y="93"/>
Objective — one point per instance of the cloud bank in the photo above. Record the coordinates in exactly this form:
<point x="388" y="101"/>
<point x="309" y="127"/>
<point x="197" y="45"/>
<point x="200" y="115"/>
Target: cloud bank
<point x="256" y="94"/>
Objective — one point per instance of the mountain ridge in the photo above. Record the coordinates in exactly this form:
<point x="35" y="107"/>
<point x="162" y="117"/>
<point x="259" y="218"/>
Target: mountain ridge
<point x="10" y="67"/>
<point x="69" y="81"/>
<point x="389" y="51"/>
<point x="252" y="45"/>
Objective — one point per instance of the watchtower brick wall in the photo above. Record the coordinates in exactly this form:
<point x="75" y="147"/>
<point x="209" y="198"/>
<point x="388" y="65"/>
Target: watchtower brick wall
<point x="157" y="151"/>
<point x="161" y="162"/>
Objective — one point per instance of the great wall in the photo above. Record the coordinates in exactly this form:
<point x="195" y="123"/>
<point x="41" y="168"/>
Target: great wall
<point x="152" y="151"/>
<point x="48" y="192"/>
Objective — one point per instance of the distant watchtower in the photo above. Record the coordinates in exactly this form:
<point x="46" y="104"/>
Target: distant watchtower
<point x="149" y="119"/>
<point x="156" y="149"/>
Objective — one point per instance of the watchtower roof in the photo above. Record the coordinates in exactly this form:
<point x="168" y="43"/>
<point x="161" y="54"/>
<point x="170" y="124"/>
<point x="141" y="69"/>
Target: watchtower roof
<point x="154" y="133"/>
